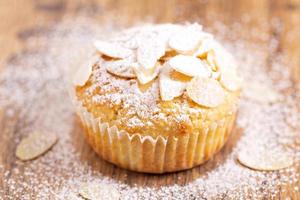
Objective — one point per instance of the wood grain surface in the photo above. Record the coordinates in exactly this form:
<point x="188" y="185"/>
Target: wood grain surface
<point x="19" y="17"/>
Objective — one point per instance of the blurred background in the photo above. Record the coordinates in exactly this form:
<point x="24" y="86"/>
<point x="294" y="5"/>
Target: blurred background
<point x="24" y="18"/>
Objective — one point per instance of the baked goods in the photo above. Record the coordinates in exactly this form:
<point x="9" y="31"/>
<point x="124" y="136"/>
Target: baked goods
<point x="159" y="98"/>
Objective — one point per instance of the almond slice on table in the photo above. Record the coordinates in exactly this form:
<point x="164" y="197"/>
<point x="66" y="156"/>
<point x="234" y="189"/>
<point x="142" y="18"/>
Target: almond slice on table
<point x="230" y="80"/>
<point x="265" y="159"/>
<point x="187" y="40"/>
<point x="36" y="144"/>
<point x="150" y="49"/>
<point x="84" y="71"/>
<point x="98" y="192"/>
<point x="121" y="68"/>
<point x="206" y="92"/>
<point x="146" y="75"/>
<point x="112" y="50"/>
<point x="190" y="66"/>
<point x="169" y="88"/>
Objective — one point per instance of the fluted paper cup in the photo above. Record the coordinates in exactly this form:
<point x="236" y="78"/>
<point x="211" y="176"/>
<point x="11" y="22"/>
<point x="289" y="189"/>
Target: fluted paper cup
<point x="154" y="155"/>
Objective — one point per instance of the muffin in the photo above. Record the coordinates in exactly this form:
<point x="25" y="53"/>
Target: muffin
<point x="157" y="98"/>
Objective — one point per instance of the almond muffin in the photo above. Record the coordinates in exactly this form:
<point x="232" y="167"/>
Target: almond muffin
<point x="158" y="98"/>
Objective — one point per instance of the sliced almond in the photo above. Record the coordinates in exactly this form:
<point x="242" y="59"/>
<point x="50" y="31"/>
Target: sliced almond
<point x="168" y="29"/>
<point x="165" y="31"/>
<point x="112" y="49"/>
<point x="210" y="58"/>
<point x="223" y="59"/>
<point x="98" y="192"/>
<point x="216" y="55"/>
<point x="204" y="48"/>
<point x="146" y="75"/>
<point x="36" y="144"/>
<point x="150" y="49"/>
<point x="169" y="88"/>
<point x="168" y="55"/>
<point x="177" y="76"/>
<point x="206" y="92"/>
<point x="189" y="65"/>
<point x="121" y="68"/>
<point x="216" y="75"/>
<point x="131" y="43"/>
<point x="230" y="80"/>
<point x="188" y="39"/>
<point x="127" y="38"/>
<point x="265" y="159"/>
<point x="84" y="71"/>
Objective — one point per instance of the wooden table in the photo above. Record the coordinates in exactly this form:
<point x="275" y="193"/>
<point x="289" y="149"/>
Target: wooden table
<point x="19" y="16"/>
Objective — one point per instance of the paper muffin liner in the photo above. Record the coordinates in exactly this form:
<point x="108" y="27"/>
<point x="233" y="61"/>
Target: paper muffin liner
<point x="154" y="155"/>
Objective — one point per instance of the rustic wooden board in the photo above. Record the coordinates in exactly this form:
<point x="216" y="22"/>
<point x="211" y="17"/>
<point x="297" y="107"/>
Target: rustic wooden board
<point x="19" y="17"/>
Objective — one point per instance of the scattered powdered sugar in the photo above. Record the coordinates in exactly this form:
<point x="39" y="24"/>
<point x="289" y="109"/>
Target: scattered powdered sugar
<point x="33" y="95"/>
<point x="123" y="91"/>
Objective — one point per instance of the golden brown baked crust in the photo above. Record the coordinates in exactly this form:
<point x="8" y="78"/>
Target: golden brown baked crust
<point x="142" y="111"/>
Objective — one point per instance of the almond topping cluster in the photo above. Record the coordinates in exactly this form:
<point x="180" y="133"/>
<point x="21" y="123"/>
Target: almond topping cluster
<point x="152" y="51"/>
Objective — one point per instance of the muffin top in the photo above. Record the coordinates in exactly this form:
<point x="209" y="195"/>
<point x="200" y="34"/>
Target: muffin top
<point x="163" y="80"/>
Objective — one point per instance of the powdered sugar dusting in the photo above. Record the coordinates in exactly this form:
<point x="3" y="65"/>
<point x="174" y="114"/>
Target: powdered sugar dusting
<point x="39" y="100"/>
<point x="123" y="91"/>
